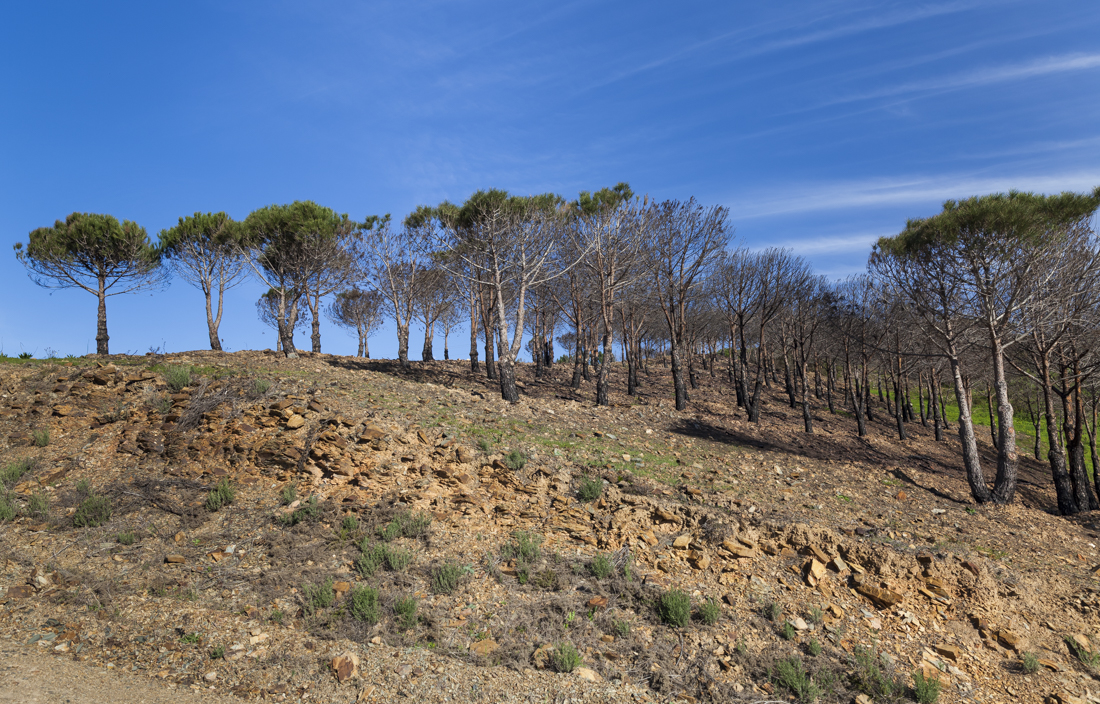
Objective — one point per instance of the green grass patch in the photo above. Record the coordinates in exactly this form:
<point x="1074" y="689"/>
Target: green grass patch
<point x="674" y="608"/>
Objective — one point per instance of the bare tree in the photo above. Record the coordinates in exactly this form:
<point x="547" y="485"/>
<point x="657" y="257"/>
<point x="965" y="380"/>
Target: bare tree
<point x="360" y="311"/>
<point x="434" y="295"/>
<point x="395" y="267"/>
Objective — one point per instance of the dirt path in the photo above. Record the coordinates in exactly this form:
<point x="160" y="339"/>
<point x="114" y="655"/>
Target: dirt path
<point x="27" y="677"/>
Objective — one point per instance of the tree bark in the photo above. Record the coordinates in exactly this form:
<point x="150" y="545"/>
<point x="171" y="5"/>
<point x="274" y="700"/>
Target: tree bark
<point x="101" y="336"/>
<point x="212" y="321"/>
<point x="603" y="374"/>
<point x="403" y="345"/>
<point x="971" y="459"/>
<point x="427" y="353"/>
<point x="934" y="402"/>
<point x="506" y="368"/>
<point x="678" y="384"/>
<point x="1008" y="459"/>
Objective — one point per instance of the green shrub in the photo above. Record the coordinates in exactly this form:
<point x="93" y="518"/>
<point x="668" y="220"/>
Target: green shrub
<point x="288" y="495"/>
<point x="525" y="546"/>
<point x="792" y="676"/>
<point x="869" y="677"/>
<point x="41" y="437"/>
<point x="392" y="531"/>
<point x="14" y="471"/>
<point x="8" y="508"/>
<point x="363" y="604"/>
<point x="217" y="653"/>
<point x="774" y="610"/>
<point x="277" y="616"/>
<point x="814" y="647"/>
<point x="446" y="578"/>
<point x="307" y="511"/>
<point x="93" y="511"/>
<point x="515" y="460"/>
<point x="484" y="445"/>
<point x="318" y="596"/>
<point x="1030" y="663"/>
<point x="709" y="612"/>
<point x="815" y="615"/>
<point x="178" y="376"/>
<point x="405" y="610"/>
<point x="926" y="690"/>
<point x="127" y="538"/>
<point x="38" y="504"/>
<point x="590" y="489"/>
<point x="26" y="355"/>
<point x="83" y="487"/>
<point x="398" y="559"/>
<point x="674" y="608"/>
<point x="1088" y="658"/>
<point x="601" y="567"/>
<point x="372" y="559"/>
<point x="787" y="631"/>
<point x="191" y="638"/>
<point x="414" y="525"/>
<point x="220" y="496"/>
<point x="260" y="387"/>
<point x="566" y="657"/>
<point x="349" y="524"/>
<point x="548" y="579"/>
<point x="621" y="628"/>
<point x="162" y="404"/>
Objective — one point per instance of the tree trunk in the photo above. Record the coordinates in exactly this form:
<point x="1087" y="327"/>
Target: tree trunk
<point x="678" y="384"/>
<point x="920" y="399"/>
<point x="992" y="419"/>
<point x="603" y="375"/>
<point x="788" y="381"/>
<point x="1090" y="428"/>
<point x="315" y="338"/>
<point x="934" y="403"/>
<point x="1008" y="459"/>
<point x="508" y="389"/>
<point x="288" y="319"/>
<point x="474" y="366"/>
<point x="490" y="366"/>
<point x="446" y="344"/>
<point x="807" y="418"/>
<point x="403" y="345"/>
<point x="101" y="336"/>
<point x="1082" y="488"/>
<point x="427" y="354"/>
<point x="212" y="321"/>
<point x="899" y="412"/>
<point x="971" y="459"/>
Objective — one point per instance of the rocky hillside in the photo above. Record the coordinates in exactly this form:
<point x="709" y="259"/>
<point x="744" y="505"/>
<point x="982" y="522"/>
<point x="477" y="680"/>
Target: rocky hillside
<point x="331" y="529"/>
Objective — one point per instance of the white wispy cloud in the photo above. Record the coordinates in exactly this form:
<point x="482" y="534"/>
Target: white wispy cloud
<point x="981" y="77"/>
<point x="835" y="244"/>
<point x="885" y="192"/>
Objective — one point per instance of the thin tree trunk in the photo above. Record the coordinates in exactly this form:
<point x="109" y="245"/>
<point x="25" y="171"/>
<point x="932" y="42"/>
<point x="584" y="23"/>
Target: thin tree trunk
<point x="934" y="402"/>
<point x="508" y="389"/>
<point x="1008" y="459"/>
<point x="603" y="374"/>
<point x="101" y="336"/>
<point x="971" y="458"/>
<point x="212" y="321"/>
<point x="403" y="345"/>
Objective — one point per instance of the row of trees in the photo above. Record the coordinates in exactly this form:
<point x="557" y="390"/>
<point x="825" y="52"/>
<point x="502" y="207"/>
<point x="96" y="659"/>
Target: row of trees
<point x="999" y="292"/>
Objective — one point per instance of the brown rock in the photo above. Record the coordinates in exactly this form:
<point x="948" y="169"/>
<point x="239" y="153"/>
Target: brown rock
<point x="815" y="569"/>
<point x="666" y="516"/>
<point x="883" y="597"/>
<point x="682" y="542"/>
<point x="597" y="602"/>
<point x="1009" y="639"/>
<point x="295" y="422"/>
<point x="484" y="648"/>
<point x="901" y="496"/>
<point x="949" y="651"/>
<point x="21" y="592"/>
<point x="699" y="559"/>
<point x="737" y="549"/>
<point x="587" y="674"/>
<point x="972" y="567"/>
<point x="1082" y="641"/>
<point x="541" y="656"/>
<point x="175" y="559"/>
<point x="345" y="666"/>
<point x="838" y="564"/>
<point x="650" y="538"/>
<point x="464" y="455"/>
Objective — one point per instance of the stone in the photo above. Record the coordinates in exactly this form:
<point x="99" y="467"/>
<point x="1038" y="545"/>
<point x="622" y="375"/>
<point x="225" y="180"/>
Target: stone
<point x="666" y="516"/>
<point x="682" y="542"/>
<point x="737" y="549"/>
<point x="484" y="648"/>
<point x="597" y="602"/>
<point x="1082" y="641"/>
<point x="883" y="597"/>
<point x="800" y="625"/>
<point x="21" y="592"/>
<point x="650" y="538"/>
<point x="949" y="651"/>
<point x="838" y="564"/>
<point x="1049" y="664"/>
<point x="371" y="432"/>
<point x="815" y="569"/>
<point x="541" y="656"/>
<point x="1009" y="639"/>
<point x="967" y="564"/>
<point x="175" y="559"/>
<point x="294" y="422"/>
<point x="210" y="676"/>
<point x="862" y="699"/>
<point x="464" y="455"/>
<point x="937" y="587"/>
<point x="607" y="638"/>
<point x="901" y="496"/>
<point x="587" y="674"/>
<point x="699" y="559"/>
<point x="345" y="666"/>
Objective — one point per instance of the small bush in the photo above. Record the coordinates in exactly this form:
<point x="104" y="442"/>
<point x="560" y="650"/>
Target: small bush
<point x="566" y="657"/>
<point x="621" y="628"/>
<point x="926" y="690"/>
<point x="162" y="404"/>
<point x="590" y="489"/>
<point x="41" y="437"/>
<point x="674" y="608"/>
<point x="869" y="677"/>
<point x="548" y="579"/>
<point x="813" y="647"/>
<point x="288" y="495"/>
<point x="792" y="676"/>
<point x="815" y="615"/>
<point x="372" y="559"/>
<point x="515" y="460"/>
<point x="1030" y="663"/>
<point x="38" y="504"/>
<point x="277" y="616"/>
<point x="83" y="487"/>
<point x="774" y="610"/>
<point x="217" y="653"/>
<point x="787" y="631"/>
<point x="414" y="525"/>
<point x="191" y="638"/>
<point x="525" y="546"/>
<point x="363" y="604"/>
<point x="484" y="445"/>
<point x="1088" y="658"/>
<point x="8" y="508"/>
<point x="446" y="578"/>
<point x="349" y="524"/>
<point x="307" y="511"/>
<point x="93" y="511"/>
<point x="398" y="559"/>
<point x="178" y="376"/>
<point x="260" y="387"/>
<point x="601" y="567"/>
<point x="709" y="612"/>
<point x="13" y="472"/>
<point x="405" y="609"/>
<point x="127" y="538"/>
<point x="318" y="596"/>
<point x="220" y="496"/>
<point x="392" y="531"/>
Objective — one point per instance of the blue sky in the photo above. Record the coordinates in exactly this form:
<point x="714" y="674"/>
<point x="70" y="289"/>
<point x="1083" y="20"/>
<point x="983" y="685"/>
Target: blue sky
<point x="821" y="125"/>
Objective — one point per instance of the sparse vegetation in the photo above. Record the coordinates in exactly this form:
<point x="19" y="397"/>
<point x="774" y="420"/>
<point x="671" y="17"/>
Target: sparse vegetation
<point x="38" y="504"/>
<point x="1030" y="663"/>
<point x="446" y="578"/>
<point x="14" y="471"/>
<point x="126" y="538"/>
<point x="774" y="610"/>
<point x="317" y="596"/>
<point x="405" y="609"/>
<point x="288" y="495"/>
<point x="524" y="546"/>
<point x="709" y="612"/>
<point x="220" y="496"/>
<point x="870" y="677"/>
<point x="93" y="511"/>
<point x="178" y="376"/>
<point x="515" y="460"/>
<point x="566" y="657"/>
<point x="792" y="676"/>
<point x="308" y="510"/>
<point x="363" y="604"/>
<point x="787" y="631"/>
<point x="217" y="653"/>
<point x="926" y="690"/>
<point x="813" y="647"/>
<point x="1088" y="658"/>
<point x="8" y="508"/>
<point x="41" y="437"/>
<point x="601" y="567"/>
<point x="674" y="608"/>
<point x="589" y="489"/>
